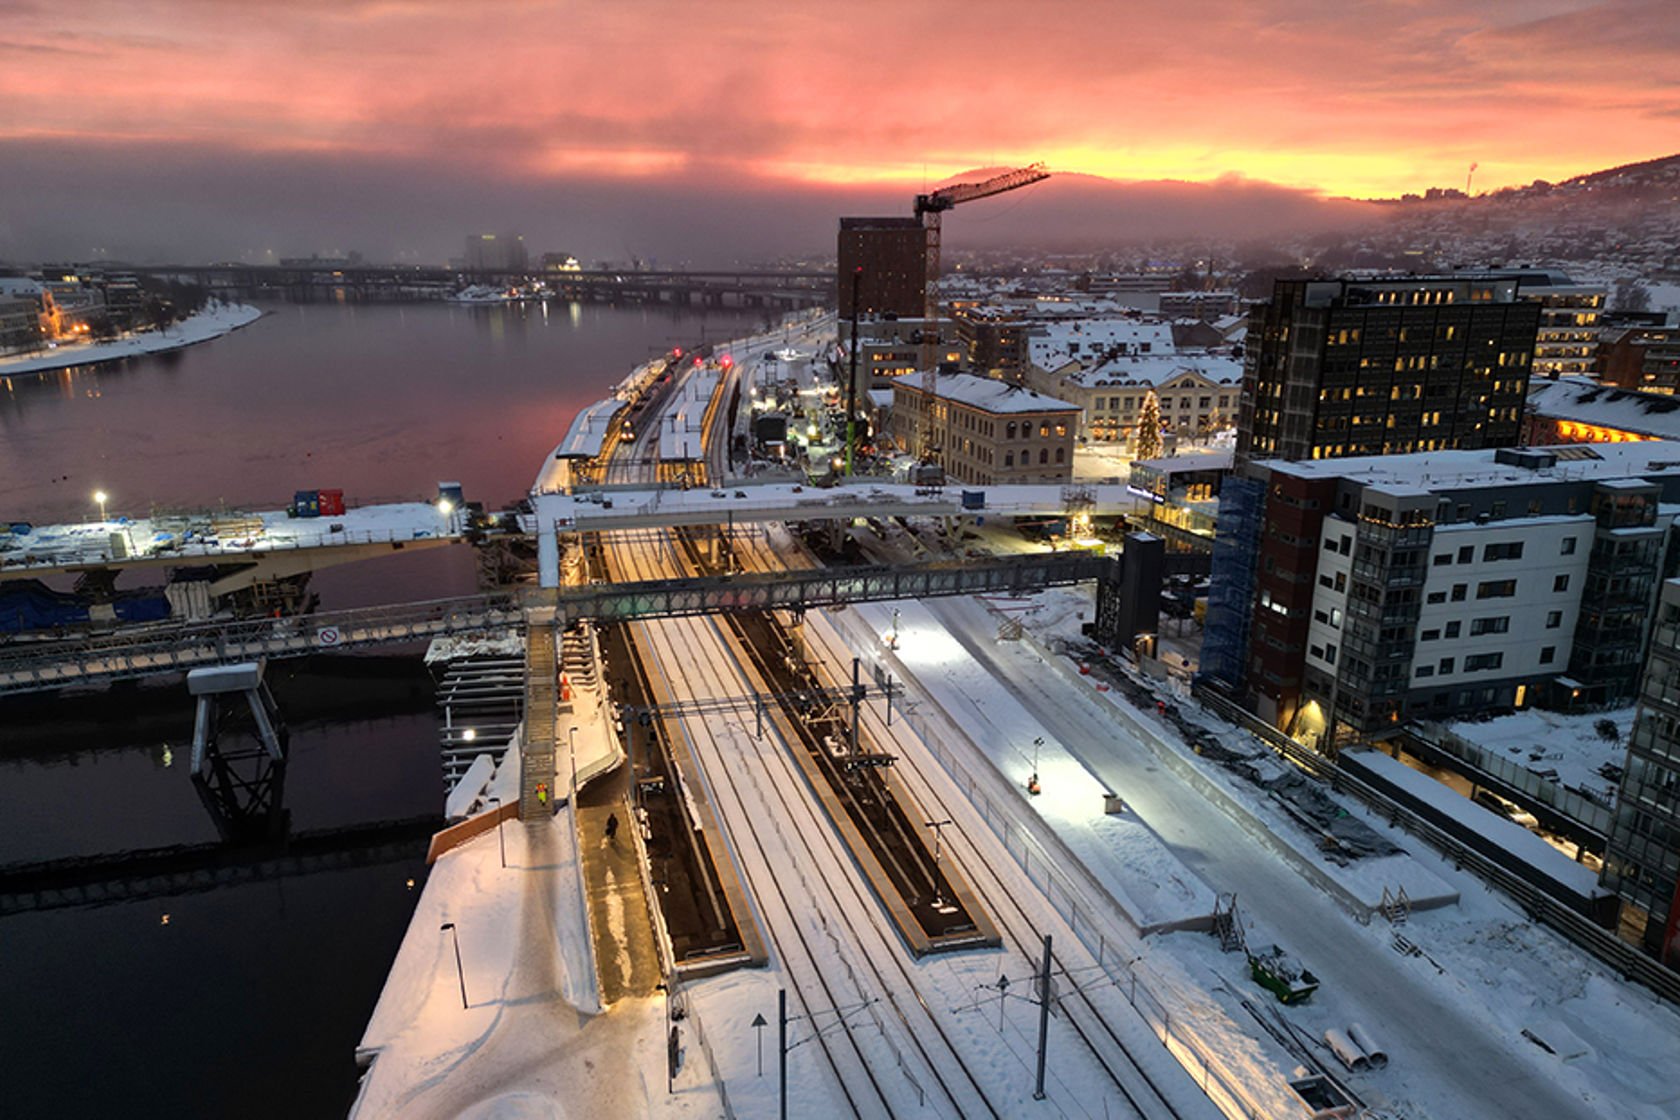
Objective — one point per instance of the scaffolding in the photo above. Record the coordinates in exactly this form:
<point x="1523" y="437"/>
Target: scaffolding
<point x="1236" y="545"/>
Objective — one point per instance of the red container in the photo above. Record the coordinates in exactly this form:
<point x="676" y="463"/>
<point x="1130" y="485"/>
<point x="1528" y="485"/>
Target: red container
<point x="332" y="503"/>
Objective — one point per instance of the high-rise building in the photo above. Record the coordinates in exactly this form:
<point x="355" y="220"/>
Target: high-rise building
<point x="887" y="260"/>
<point x="1386" y="365"/>
<point x="1341" y="368"/>
<point x="1642" y="859"/>
<point x="496" y="252"/>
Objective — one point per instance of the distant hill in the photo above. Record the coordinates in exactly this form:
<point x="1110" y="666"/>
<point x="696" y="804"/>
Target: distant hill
<point x="1636" y="197"/>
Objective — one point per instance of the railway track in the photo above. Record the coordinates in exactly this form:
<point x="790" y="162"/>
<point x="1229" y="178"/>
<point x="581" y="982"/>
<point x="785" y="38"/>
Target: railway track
<point x="847" y="924"/>
<point x="1071" y="963"/>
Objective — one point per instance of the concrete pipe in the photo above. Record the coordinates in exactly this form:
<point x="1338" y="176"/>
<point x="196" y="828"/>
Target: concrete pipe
<point x="1343" y="1047"/>
<point x="1362" y="1039"/>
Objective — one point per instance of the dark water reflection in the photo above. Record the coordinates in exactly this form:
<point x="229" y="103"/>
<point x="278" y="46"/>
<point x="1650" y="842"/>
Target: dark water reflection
<point x="249" y="1000"/>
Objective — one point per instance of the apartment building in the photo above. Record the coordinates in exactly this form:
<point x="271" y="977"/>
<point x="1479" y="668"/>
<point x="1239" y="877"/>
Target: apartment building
<point x="1640" y="357"/>
<point x="1642" y="859"/>
<point x="1387" y="588"/>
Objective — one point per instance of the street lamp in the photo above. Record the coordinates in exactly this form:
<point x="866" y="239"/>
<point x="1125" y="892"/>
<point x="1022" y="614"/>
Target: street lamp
<point x="937" y="826"/>
<point x="460" y="973"/>
<point x="501" y="837"/>
<point x="445" y="507"/>
<point x="100" y="496"/>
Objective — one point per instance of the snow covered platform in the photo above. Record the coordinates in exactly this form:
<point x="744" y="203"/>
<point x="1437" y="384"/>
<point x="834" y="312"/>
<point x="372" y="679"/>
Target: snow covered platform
<point x="1145" y="881"/>
<point x="1506" y="843"/>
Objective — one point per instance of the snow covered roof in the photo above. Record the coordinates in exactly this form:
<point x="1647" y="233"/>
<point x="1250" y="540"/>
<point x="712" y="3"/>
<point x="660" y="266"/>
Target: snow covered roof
<point x="983" y="393"/>
<point x="1158" y="369"/>
<point x="1084" y="340"/>
<point x="1436" y="471"/>
<point x="19" y="286"/>
<point x="1585" y="401"/>
<point x="589" y="430"/>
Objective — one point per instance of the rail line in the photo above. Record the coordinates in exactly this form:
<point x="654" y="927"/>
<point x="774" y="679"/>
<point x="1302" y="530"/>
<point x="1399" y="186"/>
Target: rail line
<point x="1133" y="1081"/>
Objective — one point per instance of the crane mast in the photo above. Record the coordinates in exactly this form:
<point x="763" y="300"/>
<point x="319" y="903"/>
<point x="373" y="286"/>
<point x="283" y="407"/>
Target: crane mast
<point x="929" y="207"/>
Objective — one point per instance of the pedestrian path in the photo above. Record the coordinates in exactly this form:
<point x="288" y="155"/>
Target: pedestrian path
<point x="626" y="956"/>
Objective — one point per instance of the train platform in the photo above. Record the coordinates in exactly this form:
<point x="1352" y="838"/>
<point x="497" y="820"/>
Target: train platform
<point x="620" y="922"/>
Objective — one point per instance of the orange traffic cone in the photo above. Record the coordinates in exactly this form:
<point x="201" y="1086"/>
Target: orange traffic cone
<point x="565" y="687"/>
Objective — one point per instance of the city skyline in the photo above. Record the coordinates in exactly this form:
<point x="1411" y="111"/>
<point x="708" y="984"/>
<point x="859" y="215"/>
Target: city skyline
<point x="195" y="120"/>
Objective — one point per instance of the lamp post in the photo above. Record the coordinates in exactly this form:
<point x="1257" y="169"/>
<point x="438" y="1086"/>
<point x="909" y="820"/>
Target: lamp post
<point x="100" y="496"/>
<point x="501" y="838"/>
<point x="460" y="973"/>
<point x="445" y="509"/>
<point x="938" y="895"/>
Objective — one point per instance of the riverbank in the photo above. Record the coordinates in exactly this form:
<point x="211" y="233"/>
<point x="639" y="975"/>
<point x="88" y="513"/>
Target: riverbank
<point x="214" y="321"/>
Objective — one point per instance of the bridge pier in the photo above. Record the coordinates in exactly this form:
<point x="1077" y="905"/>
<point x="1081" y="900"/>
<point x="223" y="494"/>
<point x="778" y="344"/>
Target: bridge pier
<point x="242" y="787"/>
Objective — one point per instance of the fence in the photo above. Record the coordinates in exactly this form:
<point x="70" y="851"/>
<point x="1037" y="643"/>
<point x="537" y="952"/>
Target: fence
<point x="1568" y="803"/>
<point x="1042" y="866"/>
<point x="1625" y="959"/>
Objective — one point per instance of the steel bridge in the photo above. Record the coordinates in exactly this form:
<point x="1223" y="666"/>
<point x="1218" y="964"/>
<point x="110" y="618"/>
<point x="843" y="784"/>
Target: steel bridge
<point x="131" y="654"/>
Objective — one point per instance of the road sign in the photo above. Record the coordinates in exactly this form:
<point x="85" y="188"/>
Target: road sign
<point x="759" y="1024"/>
<point x="328" y="636"/>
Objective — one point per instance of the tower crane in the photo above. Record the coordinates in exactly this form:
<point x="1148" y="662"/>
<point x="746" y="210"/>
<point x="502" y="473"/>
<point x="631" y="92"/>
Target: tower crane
<point x="929" y="207"/>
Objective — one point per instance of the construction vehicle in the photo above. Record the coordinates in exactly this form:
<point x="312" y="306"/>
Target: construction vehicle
<point x="1282" y="975"/>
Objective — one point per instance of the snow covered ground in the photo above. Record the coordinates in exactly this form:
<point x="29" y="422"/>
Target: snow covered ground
<point x="215" y="320"/>
<point x="1568" y="744"/>
<point x="1457" y="1012"/>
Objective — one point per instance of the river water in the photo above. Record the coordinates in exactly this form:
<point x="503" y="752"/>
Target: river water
<point x="249" y="1000"/>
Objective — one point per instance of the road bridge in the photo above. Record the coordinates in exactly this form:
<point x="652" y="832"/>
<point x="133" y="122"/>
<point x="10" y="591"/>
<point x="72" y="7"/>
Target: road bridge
<point x="142" y="652"/>
<point x="647" y="506"/>
<point x="300" y="279"/>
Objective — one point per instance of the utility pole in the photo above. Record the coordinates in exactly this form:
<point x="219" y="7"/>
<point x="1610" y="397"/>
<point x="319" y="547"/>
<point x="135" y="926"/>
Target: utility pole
<point x="1043" y="1018"/>
<point x="851" y="385"/>
<point x="857" y="700"/>
<point x="781" y="1034"/>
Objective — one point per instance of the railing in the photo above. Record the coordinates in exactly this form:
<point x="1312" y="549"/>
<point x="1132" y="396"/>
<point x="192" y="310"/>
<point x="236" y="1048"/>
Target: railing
<point x="1626" y="959"/>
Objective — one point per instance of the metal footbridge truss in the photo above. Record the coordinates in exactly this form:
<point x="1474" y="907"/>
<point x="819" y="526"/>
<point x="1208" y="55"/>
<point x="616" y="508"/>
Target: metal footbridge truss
<point x="134" y="653"/>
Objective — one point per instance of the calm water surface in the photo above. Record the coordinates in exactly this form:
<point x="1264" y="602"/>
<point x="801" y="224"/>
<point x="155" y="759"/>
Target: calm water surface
<point x="249" y="1000"/>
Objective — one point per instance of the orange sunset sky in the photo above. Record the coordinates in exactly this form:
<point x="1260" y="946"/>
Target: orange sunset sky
<point x="1350" y="98"/>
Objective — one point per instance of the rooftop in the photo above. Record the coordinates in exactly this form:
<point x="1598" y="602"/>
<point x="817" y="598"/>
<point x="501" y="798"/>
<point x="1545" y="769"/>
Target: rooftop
<point x="1158" y="369"/>
<point x="983" y="393"/>
<point x="1585" y="401"/>
<point x="1454" y="470"/>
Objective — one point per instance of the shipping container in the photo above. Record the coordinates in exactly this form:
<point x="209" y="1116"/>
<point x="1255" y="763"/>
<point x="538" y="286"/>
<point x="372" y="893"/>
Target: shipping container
<point x="306" y="503"/>
<point x="331" y="503"/>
